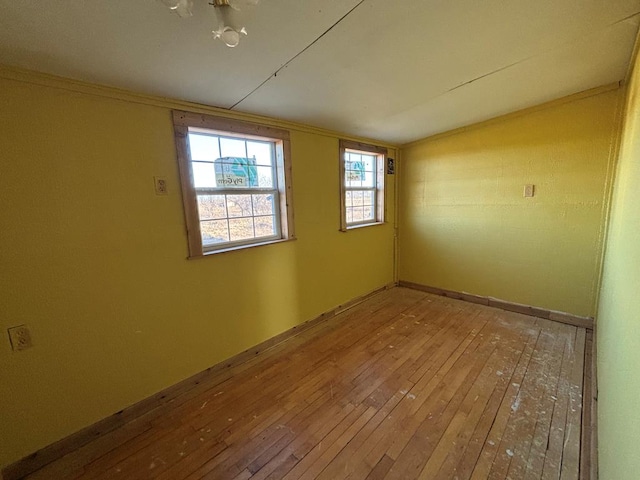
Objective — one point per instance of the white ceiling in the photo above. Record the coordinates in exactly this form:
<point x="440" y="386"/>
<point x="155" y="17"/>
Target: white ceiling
<point x="393" y="70"/>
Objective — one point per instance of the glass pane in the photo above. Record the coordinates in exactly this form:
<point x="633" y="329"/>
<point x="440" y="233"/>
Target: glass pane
<point x="237" y="172"/>
<point x="353" y="157"/>
<point x="211" y="207"/>
<point x="203" y="147"/>
<point x="352" y="178"/>
<point x="214" y="231"/>
<point x="263" y="204"/>
<point x="261" y="151"/>
<point x="348" y="198"/>
<point x="354" y="170"/>
<point x="265" y="177"/>
<point x="204" y="175"/>
<point x="356" y="195"/>
<point x="369" y="179"/>
<point x="360" y="170"/>
<point x="231" y="147"/>
<point x="265" y="226"/>
<point x="369" y="162"/>
<point x="241" y="228"/>
<point x="239" y="205"/>
<point x="368" y="213"/>
<point x="368" y="197"/>
<point x="349" y="214"/>
<point x="358" y="214"/>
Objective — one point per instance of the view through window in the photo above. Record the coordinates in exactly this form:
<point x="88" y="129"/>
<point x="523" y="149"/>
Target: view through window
<point x="235" y="182"/>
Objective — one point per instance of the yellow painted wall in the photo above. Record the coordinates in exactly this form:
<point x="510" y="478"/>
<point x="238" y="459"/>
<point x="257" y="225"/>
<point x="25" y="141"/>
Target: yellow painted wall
<point x="618" y="320"/>
<point x="465" y="226"/>
<point x="95" y="263"/>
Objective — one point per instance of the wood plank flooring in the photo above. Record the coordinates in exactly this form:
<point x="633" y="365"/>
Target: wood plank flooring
<point x="406" y="385"/>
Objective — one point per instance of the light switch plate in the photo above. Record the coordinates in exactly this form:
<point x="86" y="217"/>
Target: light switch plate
<point x="529" y="191"/>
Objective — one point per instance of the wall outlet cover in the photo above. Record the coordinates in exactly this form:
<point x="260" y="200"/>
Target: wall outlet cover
<point x="20" y="337"/>
<point x="161" y="185"/>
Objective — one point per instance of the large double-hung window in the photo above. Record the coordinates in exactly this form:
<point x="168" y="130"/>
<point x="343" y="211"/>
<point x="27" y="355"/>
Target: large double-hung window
<point x="361" y="184"/>
<point x="235" y="181"/>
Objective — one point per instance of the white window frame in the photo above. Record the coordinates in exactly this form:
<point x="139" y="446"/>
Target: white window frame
<point x="184" y="122"/>
<point x="380" y="154"/>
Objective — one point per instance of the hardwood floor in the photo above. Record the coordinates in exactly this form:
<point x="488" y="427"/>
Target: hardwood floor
<point x="405" y="385"/>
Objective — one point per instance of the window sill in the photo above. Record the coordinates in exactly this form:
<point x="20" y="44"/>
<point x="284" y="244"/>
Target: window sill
<point x="364" y="225"/>
<point x="240" y="247"/>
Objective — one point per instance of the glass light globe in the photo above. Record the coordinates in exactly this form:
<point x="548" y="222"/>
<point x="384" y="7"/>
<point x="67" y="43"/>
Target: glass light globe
<point x="230" y="37"/>
<point x="229" y="25"/>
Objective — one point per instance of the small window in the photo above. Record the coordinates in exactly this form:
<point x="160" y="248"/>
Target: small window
<point x="235" y="182"/>
<point x="361" y="184"/>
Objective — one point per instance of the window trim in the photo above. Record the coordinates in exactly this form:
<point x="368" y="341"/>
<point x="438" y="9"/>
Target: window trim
<point x="380" y="188"/>
<point x="182" y="121"/>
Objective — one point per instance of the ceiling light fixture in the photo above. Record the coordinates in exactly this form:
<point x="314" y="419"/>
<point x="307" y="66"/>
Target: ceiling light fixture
<point x="230" y="24"/>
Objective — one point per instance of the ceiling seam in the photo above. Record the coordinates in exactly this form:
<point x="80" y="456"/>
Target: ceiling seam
<point x="526" y="59"/>
<point x="275" y="74"/>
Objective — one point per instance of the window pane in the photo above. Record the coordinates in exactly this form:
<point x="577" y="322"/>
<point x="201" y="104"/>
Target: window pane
<point x="368" y="197"/>
<point x="351" y="159"/>
<point x="369" y="162"/>
<point x="356" y="195"/>
<point x="239" y="205"/>
<point x="261" y="151"/>
<point x="204" y="175"/>
<point x="265" y="177"/>
<point x="353" y="178"/>
<point x="203" y="147"/>
<point x="211" y="207"/>
<point x="369" y="179"/>
<point x="263" y="204"/>
<point x="265" y="226"/>
<point x="241" y="228"/>
<point x="360" y="170"/>
<point x="214" y="231"/>
<point x="368" y="213"/>
<point x="354" y="169"/>
<point x="348" y="198"/>
<point x="232" y="147"/>
<point x="238" y="172"/>
<point x="358" y="214"/>
<point x="349" y="214"/>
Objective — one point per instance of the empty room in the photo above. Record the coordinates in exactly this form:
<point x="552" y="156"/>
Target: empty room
<point x="349" y="239"/>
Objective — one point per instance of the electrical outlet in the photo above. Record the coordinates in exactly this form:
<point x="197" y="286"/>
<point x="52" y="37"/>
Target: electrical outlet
<point x="161" y="185"/>
<point x="529" y="191"/>
<point x="20" y="337"/>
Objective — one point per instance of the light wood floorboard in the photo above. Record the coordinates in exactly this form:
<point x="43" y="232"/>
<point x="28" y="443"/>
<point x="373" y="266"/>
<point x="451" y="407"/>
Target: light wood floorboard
<point x="406" y="385"/>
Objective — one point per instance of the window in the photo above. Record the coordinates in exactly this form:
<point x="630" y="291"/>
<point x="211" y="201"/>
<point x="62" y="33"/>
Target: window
<point x="361" y="184"/>
<point x="236" y="182"/>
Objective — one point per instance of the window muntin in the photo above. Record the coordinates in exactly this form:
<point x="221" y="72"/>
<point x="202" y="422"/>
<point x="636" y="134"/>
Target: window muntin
<point x="236" y="183"/>
<point x="362" y="184"/>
